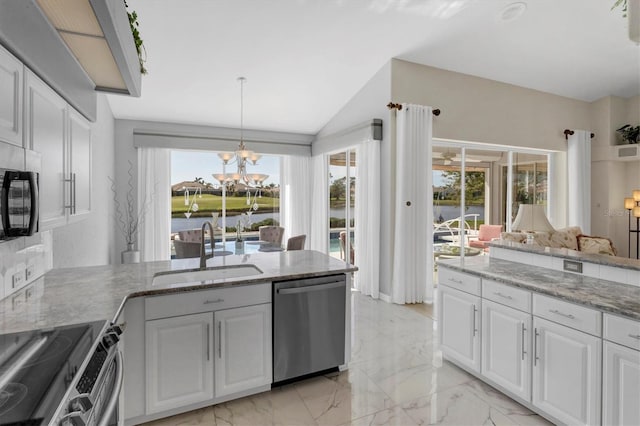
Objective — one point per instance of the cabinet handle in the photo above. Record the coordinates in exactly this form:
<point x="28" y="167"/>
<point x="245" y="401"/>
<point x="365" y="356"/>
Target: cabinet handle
<point x="474" y="319"/>
<point x="523" y="331"/>
<point x="557" y="312"/>
<point x="635" y="336"/>
<point x="71" y="205"/>
<point x="535" y="346"/>
<point x="208" y="302"/>
<point x="506" y="296"/>
<point x="73" y="183"/>
<point x="220" y="339"/>
<point x="453" y="280"/>
<point x="208" y="342"/>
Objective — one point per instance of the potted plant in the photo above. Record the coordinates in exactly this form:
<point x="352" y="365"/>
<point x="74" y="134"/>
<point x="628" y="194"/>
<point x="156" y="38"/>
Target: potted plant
<point x="629" y="133"/>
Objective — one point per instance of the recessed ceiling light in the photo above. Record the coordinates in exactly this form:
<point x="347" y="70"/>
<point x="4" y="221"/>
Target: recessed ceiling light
<point x="512" y="11"/>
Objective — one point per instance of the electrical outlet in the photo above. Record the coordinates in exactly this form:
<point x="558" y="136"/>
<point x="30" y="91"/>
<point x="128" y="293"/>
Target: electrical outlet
<point x="28" y="273"/>
<point x="17" y="279"/>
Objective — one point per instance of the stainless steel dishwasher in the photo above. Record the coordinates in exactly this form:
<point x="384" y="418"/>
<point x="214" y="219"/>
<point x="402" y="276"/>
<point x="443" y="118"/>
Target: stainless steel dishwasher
<point x="308" y="326"/>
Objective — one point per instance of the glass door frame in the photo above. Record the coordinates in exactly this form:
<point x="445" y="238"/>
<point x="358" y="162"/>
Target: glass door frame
<point x="348" y="151"/>
<point x="510" y="150"/>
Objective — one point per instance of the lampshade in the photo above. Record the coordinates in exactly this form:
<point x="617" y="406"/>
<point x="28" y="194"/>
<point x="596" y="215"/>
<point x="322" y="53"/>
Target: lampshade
<point x="226" y="156"/>
<point x="629" y="203"/>
<point x="636" y="211"/>
<point x="531" y="217"/>
<point x="636" y="194"/>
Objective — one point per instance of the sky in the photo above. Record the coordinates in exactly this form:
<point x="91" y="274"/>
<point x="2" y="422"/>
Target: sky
<point x="187" y="165"/>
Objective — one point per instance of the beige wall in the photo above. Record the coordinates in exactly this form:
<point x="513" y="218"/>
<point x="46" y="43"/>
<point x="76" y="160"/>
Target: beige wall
<point x="481" y="110"/>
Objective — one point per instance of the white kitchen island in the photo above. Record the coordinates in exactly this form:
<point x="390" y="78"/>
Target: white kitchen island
<point x="564" y="344"/>
<point x="174" y="359"/>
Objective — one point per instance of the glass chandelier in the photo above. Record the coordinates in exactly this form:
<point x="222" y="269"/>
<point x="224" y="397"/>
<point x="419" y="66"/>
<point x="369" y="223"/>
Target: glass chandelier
<point x="241" y="156"/>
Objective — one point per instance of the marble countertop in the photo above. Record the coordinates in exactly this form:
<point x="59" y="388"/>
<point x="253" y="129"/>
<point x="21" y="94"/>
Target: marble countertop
<point x="75" y="295"/>
<point x="620" y="262"/>
<point x="607" y="296"/>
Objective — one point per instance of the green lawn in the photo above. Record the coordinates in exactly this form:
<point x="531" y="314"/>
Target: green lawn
<point x="212" y="203"/>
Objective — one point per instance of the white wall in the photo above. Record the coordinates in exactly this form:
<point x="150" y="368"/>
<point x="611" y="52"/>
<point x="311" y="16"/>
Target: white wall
<point x="89" y="241"/>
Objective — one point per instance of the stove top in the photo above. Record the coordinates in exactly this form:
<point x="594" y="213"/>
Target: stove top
<point x="37" y="368"/>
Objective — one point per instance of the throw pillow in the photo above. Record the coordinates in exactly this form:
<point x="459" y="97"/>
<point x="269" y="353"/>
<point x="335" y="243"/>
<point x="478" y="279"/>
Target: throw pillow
<point x="566" y="238"/>
<point x="596" y="245"/>
<point x="516" y="237"/>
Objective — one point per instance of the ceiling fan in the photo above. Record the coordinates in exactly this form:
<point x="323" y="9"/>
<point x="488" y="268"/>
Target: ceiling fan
<point x="448" y="157"/>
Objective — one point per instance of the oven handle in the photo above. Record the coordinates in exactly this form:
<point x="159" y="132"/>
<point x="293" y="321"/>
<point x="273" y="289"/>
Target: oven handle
<point x="113" y="402"/>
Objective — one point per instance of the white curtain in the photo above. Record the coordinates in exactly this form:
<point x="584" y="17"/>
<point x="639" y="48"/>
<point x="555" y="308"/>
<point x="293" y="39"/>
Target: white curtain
<point x="154" y="190"/>
<point x="319" y="234"/>
<point x="412" y="276"/>
<point x="367" y="220"/>
<point x="295" y="196"/>
<point x="579" y="179"/>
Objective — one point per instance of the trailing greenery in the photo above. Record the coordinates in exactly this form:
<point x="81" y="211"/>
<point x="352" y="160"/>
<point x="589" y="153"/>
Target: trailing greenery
<point x="623" y="4"/>
<point x="133" y="22"/>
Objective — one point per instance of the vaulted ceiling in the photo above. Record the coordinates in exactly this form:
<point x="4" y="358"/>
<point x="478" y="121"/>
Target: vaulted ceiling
<point x="304" y="59"/>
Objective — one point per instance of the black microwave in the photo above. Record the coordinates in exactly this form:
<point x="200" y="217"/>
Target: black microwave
<point x="18" y="203"/>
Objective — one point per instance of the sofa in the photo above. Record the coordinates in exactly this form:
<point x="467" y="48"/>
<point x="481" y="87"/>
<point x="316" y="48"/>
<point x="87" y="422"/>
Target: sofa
<point x="570" y="238"/>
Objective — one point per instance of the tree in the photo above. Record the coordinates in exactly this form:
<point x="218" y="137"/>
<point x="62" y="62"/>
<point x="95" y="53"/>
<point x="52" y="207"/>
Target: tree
<point x="474" y="184"/>
<point x="337" y="189"/>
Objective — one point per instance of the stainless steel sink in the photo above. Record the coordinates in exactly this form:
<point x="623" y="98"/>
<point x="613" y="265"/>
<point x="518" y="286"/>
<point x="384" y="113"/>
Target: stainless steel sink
<point x="204" y="275"/>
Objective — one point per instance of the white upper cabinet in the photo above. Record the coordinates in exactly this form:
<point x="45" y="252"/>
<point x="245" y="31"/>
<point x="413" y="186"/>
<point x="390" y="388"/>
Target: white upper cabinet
<point x="80" y="164"/>
<point x="63" y="138"/>
<point x="11" y="75"/>
<point x="45" y="124"/>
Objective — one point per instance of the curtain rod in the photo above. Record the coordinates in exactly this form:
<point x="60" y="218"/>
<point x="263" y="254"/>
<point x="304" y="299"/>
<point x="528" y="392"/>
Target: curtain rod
<point x="391" y="105"/>
<point x="568" y="132"/>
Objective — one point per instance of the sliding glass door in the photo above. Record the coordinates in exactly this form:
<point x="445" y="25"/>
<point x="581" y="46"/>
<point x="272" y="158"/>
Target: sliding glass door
<point x="342" y="190"/>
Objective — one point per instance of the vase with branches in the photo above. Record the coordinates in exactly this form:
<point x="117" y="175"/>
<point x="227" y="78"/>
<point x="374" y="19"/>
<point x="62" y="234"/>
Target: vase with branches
<point x="128" y="219"/>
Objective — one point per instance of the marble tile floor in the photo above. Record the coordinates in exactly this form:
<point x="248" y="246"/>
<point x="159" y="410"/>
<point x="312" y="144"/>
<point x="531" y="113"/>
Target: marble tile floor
<point x="396" y="377"/>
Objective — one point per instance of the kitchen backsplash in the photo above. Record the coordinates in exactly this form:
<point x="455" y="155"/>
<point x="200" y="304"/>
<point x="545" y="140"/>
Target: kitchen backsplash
<point x="22" y="261"/>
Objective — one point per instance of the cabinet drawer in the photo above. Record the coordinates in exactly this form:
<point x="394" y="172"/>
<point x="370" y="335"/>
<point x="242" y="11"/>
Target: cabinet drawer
<point x="569" y="314"/>
<point x="507" y="295"/>
<point x="622" y="330"/>
<point x="461" y="281"/>
<point x="193" y="302"/>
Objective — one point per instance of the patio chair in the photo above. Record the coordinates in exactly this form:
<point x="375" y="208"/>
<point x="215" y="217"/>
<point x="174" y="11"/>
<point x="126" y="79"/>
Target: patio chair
<point x="186" y="249"/>
<point x="272" y="234"/>
<point x="190" y="235"/>
<point x="296" y="243"/>
<point x="486" y="234"/>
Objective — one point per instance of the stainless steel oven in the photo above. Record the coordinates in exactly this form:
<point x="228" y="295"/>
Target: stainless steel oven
<point x="62" y="376"/>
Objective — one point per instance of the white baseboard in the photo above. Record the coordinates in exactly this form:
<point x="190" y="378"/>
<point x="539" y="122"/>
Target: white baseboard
<point x="385" y="298"/>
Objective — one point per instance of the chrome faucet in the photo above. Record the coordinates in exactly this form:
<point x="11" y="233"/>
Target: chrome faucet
<point x="203" y="254"/>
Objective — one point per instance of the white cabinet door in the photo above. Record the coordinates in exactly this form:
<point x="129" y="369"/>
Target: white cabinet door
<point x="621" y="403"/>
<point x="459" y="326"/>
<point x="11" y="75"/>
<point x="566" y="373"/>
<point x="243" y="349"/>
<point x="179" y="361"/>
<point x="80" y="164"/>
<point x="45" y="117"/>
<point x="506" y="357"/>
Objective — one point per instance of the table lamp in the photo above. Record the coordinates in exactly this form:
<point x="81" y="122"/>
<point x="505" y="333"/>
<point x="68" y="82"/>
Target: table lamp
<point x="531" y="217"/>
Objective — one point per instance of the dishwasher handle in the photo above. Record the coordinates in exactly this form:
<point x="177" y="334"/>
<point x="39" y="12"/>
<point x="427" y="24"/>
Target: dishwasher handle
<point x="310" y="288"/>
